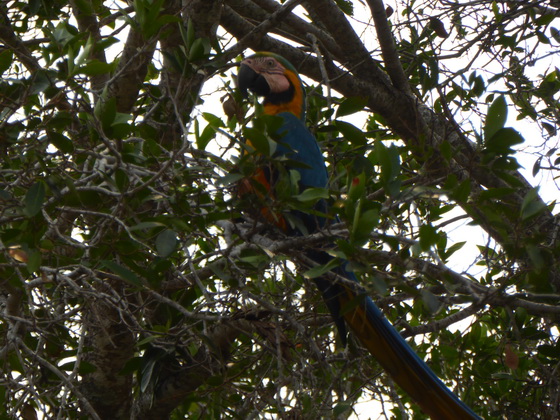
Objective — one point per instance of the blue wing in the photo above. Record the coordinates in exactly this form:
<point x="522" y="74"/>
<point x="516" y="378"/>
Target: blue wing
<point x="298" y="144"/>
<point x="360" y="312"/>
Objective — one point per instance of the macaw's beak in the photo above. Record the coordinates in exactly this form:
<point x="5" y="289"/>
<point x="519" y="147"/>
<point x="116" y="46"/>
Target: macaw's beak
<point x="249" y="79"/>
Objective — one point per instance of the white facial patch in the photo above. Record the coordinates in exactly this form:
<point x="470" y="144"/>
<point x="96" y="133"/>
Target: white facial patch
<point x="273" y="72"/>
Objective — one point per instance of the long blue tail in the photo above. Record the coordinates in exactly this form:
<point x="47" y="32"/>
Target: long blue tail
<point x="350" y="306"/>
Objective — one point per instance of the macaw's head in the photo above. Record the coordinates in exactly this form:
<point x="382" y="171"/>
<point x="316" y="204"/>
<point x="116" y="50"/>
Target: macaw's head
<point x="273" y="77"/>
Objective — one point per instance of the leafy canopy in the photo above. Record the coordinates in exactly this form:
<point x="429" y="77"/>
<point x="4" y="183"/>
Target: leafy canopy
<point x="135" y="284"/>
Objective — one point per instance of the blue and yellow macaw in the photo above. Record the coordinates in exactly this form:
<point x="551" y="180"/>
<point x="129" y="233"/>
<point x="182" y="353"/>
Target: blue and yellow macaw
<point x="274" y="78"/>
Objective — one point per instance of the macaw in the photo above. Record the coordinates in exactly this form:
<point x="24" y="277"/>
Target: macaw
<point x="274" y="78"/>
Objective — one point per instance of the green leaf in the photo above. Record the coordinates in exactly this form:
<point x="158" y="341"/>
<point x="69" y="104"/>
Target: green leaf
<point x="84" y="6"/>
<point x="5" y="195"/>
<point x="209" y="132"/>
<point x="258" y="140"/>
<point x="495" y="193"/>
<point x="428" y="237"/>
<point x="351" y="133"/>
<point x="462" y="191"/>
<point x="502" y="140"/>
<point x="6" y="58"/>
<point x="84" y="367"/>
<point x="446" y="150"/>
<point x="213" y="120"/>
<point x="95" y="67"/>
<point x="229" y="179"/>
<point x="188" y="34"/>
<point x="555" y="34"/>
<point x="532" y="204"/>
<point x="536" y="256"/>
<point x="215" y="380"/>
<point x="496" y="117"/>
<point x="477" y="83"/>
<point x="60" y="141"/>
<point x="319" y="270"/>
<point x="542" y="37"/>
<point x="166" y="243"/>
<point x="537" y="166"/>
<point x="496" y="11"/>
<point x="68" y="366"/>
<point x="431" y="302"/>
<point x="365" y="223"/>
<point x="200" y="49"/>
<point x="390" y="163"/>
<point x="83" y="57"/>
<point x="41" y="81"/>
<point x="254" y="258"/>
<point x="147" y="16"/>
<point x="357" y="187"/>
<point x="428" y="74"/>
<point x="106" y="111"/>
<point x="204" y="138"/>
<point x="340" y="409"/>
<point x="121" y="179"/>
<point x="312" y="194"/>
<point x="34" y="198"/>
<point x="71" y="60"/>
<point x="454" y="248"/>
<point x="147" y="373"/>
<point x="33" y="260"/>
<point x="545" y="19"/>
<point x="533" y="333"/>
<point x="123" y="272"/>
<point x="145" y="225"/>
<point x="346" y="6"/>
<point x="502" y="375"/>
<point x="272" y="125"/>
<point x="549" y="351"/>
<point x="63" y="33"/>
<point x="350" y="106"/>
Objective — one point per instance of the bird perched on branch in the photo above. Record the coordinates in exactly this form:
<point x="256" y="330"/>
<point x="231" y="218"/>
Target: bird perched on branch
<point x="271" y="76"/>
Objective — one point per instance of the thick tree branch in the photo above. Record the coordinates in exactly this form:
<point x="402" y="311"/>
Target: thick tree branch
<point x="178" y="381"/>
<point x="132" y="69"/>
<point x="182" y="86"/>
<point x="255" y="32"/>
<point x="88" y="23"/>
<point x="291" y="26"/>
<point x="388" y="47"/>
<point x="111" y="345"/>
<point x="355" y="57"/>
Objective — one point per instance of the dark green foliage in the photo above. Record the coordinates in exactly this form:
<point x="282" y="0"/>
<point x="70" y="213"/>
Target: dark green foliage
<point x="124" y="249"/>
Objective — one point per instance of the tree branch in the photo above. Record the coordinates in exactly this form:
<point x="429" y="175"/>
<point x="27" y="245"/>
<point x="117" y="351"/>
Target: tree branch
<point x="88" y="408"/>
<point x="354" y="55"/>
<point x="177" y="382"/>
<point x="291" y="26"/>
<point x="87" y="22"/>
<point x="111" y="344"/>
<point x="132" y="69"/>
<point x="388" y="47"/>
<point x="255" y="33"/>
<point x="8" y="36"/>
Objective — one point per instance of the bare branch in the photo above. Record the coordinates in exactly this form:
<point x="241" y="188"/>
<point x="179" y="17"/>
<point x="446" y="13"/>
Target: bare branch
<point x="388" y="48"/>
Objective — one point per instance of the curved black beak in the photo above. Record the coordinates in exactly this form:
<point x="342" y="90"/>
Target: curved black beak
<point x="248" y="79"/>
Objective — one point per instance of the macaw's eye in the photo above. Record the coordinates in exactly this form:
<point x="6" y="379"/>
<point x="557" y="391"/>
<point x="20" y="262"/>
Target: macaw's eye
<point x="270" y="63"/>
